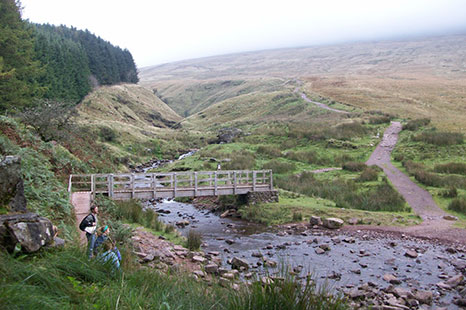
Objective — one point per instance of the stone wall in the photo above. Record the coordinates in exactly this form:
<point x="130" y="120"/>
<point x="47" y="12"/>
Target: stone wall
<point x="261" y="197"/>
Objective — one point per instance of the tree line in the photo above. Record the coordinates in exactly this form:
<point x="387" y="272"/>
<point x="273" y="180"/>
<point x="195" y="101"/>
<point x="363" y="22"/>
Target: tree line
<point x="54" y="62"/>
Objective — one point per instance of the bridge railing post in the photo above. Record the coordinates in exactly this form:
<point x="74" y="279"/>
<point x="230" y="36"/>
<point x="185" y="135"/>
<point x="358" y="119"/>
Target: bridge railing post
<point x="195" y="184"/>
<point x="110" y="185"/>
<point x="254" y="181"/>
<point x="234" y="182"/>
<point x="215" y="183"/>
<point x="175" y="184"/>
<point x="93" y="186"/>
<point x="132" y="185"/>
<point x="271" y="180"/>
<point x="154" y="186"/>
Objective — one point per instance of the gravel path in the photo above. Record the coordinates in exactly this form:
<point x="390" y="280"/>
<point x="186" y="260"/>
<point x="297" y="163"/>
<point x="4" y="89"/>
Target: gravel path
<point x="420" y="200"/>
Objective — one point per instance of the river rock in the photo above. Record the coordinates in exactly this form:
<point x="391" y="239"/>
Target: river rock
<point x="411" y="254"/>
<point x="424" y="297"/>
<point x="450" y="217"/>
<point x="319" y="251"/>
<point x="211" y="268"/>
<point x="315" y="220"/>
<point x="454" y="281"/>
<point x="391" y="279"/>
<point x="332" y="223"/>
<point x="198" y="259"/>
<point x="182" y="223"/>
<point x="237" y="263"/>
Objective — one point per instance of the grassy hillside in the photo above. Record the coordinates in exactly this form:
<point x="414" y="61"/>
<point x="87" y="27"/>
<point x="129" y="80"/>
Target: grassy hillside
<point x="413" y="78"/>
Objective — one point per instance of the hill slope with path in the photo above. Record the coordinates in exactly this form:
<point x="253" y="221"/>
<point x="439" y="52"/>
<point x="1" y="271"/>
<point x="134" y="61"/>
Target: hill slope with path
<point x="434" y="226"/>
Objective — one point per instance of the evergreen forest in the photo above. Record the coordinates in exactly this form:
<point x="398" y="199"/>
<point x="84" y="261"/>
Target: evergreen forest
<point x="54" y="62"/>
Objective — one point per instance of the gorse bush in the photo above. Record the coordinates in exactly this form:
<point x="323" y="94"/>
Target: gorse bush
<point x="369" y="174"/>
<point x="458" y="205"/>
<point x="354" y="166"/>
<point x="279" y="167"/>
<point x="415" y="124"/>
<point x="440" y="138"/>
<point x="456" y="168"/>
<point x="375" y="120"/>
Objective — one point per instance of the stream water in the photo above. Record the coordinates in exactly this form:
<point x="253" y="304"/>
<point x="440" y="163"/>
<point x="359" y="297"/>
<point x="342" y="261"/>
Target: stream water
<point x="350" y="262"/>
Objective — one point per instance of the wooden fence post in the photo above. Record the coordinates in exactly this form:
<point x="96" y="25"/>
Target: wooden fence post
<point x="110" y="185"/>
<point x="271" y="180"/>
<point x="93" y="185"/>
<point x="175" y="184"/>
<point x="132" y="185"/>
<point x="154" y="184"/>
<point x="234" y="183"/>
<point x="254" y="181"/>
<point x="195" y="184"/>
<point x="215" y="182"/>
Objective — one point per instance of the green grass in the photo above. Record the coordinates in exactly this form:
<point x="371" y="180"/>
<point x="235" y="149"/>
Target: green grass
<point x="292" y="203"/>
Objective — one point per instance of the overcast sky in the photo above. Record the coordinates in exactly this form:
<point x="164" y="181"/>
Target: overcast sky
<point x="157" y="32"/>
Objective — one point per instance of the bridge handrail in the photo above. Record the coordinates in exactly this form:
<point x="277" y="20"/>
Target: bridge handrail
<point x="108" y="183"/>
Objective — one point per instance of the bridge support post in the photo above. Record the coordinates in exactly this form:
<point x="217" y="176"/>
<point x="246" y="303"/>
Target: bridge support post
<point x="110" y="185"/>
<point x="93" y="186"/>
<point x="253" y="181"/>
<point x="132" y="185"/>
<point x="271" y="180"/>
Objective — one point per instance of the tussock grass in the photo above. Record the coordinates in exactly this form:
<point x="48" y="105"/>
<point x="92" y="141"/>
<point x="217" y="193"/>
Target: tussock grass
<point x="345" y="193"/>
<point x="369" y="174"/>
<point x="458" y="205"/>
<point x="354" y="166"/>
<point x="440" y="138"/>
<point x="194" y="240"/>
<point x="415" y="124"/>
<point x="456" y="168"/>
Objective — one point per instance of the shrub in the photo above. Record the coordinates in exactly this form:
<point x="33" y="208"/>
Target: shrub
<point x="310" y="157"/>
<point x="297" y="216"/>
<point x="399" y="157"/>
<point x="169" y="228"/>
<point x="369" y="174"/>
<point x="375" y="120"/>
<point x="415" y="124"/>
<point x="457" y="168"/>
<point x="458" y="205"/>
<point x="440" y="138"/>
<point x="194" y="240"/>
<point x="354" y="166"/>
<point x="347" y="131"/>
<point x="107" y="134"/>
<point x="279" y="167"/>
<point x="452" y="192"/>
<point x="269" y="151"/>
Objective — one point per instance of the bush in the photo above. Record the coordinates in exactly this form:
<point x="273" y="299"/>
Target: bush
<point x="416" y="124"/>
<point x="458" y="205"/>
<point x="457" y="168"/>
<point x="440" y="138"/>
<point x="310" y="157"/>
<point x="194" y="240"/>
<point x="347" y="131"/>
<point x="107" y="134"/>
<point x="375" y="120"/>
<point x="279" y="167"/>
<point x="369" y="174"/>
<point x="452" y="192"/>
<point x="297" y="216"/>
<point x="354" y="166"/>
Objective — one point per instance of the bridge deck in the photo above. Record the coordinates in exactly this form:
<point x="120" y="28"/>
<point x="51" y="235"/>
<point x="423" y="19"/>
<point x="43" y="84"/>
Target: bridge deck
<point x="174" y="184"/>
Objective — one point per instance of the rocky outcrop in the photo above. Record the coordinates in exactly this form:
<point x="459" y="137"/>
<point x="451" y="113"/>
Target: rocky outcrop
<point x="11" y="185"/>
<point x="226" y="135"/>
<point x="29" y="230"/>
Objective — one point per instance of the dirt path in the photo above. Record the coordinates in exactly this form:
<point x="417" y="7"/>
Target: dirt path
<point x="81" y="202"/>
<point x="420" y="200"/>
<point x="323" y="106"/>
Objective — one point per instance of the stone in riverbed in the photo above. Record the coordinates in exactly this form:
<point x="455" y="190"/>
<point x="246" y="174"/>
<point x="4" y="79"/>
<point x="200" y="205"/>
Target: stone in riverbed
<point x="237" y="263"/>
<point x="391" y="279"/>
<point x="454" y="281"/>
<point x="315" y="220"/>
<point x="424" y="297"/>
<point x="211" y="268"/>
<point x="411" y="254"/>
<point x="333" y="223"/>
<point x="319" y="251"/>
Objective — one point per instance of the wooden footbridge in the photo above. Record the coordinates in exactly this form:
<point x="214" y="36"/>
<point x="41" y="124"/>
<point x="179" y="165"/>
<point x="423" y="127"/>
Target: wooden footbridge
<point x="174" y="184"/>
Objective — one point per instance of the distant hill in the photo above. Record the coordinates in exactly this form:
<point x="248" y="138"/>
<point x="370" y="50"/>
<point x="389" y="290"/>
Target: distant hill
<point x="126" y="105"/>
<point x="414" y="78"/>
